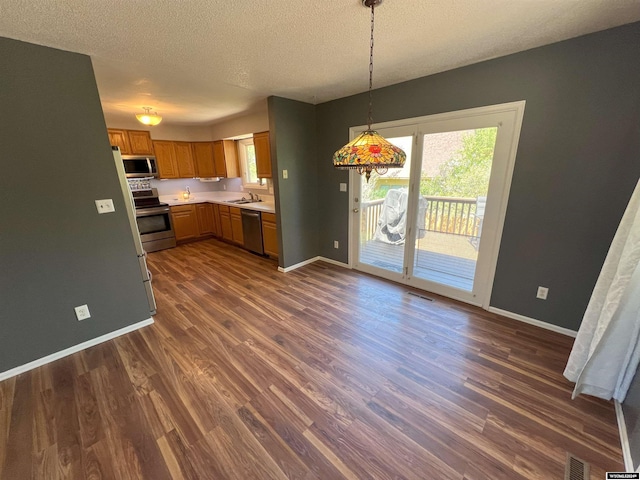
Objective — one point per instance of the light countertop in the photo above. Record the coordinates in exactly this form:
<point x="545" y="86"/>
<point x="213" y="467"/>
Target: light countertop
<point x="221" y="198"/>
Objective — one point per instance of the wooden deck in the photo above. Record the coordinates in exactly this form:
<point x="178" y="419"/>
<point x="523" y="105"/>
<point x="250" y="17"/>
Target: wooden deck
<point x="436" y="267"/>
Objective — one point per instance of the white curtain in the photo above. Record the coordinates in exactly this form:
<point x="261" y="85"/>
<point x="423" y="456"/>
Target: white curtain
<point x="606" y="353"/>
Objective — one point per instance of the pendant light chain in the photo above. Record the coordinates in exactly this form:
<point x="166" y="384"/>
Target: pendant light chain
<point x="370" y="115"/>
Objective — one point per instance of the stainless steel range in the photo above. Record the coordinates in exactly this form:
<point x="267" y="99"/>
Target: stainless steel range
<point x="152" y="216"/>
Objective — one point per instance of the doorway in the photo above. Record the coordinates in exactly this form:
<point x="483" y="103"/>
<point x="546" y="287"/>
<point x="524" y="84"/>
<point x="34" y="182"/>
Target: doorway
<point x="436" y="223"/>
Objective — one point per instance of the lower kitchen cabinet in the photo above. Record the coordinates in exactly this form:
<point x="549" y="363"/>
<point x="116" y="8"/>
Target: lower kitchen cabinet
<point x="225" y="223"/>
<point x="204" y="214"/>
<point x="185" y="222"/>
<point x="236" y="225"/>
<point x="269" y="234"/>
<point x="217" y="228"/>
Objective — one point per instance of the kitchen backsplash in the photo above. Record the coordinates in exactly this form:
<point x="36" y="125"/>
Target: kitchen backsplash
<point x="177" y="186"/>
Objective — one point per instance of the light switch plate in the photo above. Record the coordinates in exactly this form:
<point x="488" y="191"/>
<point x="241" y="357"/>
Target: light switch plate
<point x="105" y="206"/>
<point x="343" y="187"/>
<point x="285" y="173"/>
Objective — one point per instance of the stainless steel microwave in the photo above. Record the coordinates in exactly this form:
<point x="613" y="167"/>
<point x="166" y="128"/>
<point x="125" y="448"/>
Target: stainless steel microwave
<point x="136" y="166"/>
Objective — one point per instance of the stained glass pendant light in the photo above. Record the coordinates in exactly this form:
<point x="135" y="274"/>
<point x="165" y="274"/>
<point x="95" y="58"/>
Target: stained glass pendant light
<point x="148" y="118"/>
<point x="369" y="151"/>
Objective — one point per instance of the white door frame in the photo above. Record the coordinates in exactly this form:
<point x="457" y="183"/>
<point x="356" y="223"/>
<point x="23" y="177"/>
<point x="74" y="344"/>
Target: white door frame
<point x="517" y="110"/>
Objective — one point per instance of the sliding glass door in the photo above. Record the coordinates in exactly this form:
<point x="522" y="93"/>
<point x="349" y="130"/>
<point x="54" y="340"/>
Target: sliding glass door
<point x="436" y="223"/>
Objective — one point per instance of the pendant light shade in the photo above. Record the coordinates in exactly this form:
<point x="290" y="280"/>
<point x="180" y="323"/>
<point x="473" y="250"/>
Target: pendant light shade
<point x="148" y="118"/>
<point x="369" y="151"/>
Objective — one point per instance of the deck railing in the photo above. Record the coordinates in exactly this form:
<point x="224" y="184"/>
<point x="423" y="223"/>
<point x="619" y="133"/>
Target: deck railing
<point x="452" y="215"/>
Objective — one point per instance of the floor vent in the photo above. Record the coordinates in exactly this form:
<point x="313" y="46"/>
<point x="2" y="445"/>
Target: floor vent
<point x="420" y="296"/>
<point x="576" y="469"/>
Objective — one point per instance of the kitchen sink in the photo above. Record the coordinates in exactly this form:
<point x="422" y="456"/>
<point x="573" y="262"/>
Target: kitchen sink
<point x="242" y="201"/>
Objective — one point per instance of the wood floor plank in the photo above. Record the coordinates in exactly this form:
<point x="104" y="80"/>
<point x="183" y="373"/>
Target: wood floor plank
<point x="321" y="373"/>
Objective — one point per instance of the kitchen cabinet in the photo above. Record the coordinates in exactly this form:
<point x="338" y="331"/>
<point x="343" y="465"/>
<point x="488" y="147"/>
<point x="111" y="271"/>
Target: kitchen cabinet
<point x="217" y="228"/>
<point x="119" y="138"/>
<point x="140" y="142"/>
<point x="203" y="159"/>
<point x="263" y="154"/>
<point x="204" y="214"/>
<point x="131" y="142"/>
<point x="269" y="234"/>
<point x="185" y="222"/>
<point x="166" y="159"/>
<point x="225" y="223"/>
<point x="236" y="225"/>
<point x="184" y="159"/>
<point x="225" y="157"/>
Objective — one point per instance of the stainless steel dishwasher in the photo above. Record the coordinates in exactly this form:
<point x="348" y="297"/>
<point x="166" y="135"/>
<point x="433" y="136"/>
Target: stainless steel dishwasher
<point x="252" y="231"/>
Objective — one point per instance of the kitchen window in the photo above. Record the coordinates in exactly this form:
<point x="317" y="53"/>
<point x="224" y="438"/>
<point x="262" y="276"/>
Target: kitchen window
<point x="248" y="167"/>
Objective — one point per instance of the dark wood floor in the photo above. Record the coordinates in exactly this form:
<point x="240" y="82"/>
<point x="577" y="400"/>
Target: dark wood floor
<point x="321" y="373"/>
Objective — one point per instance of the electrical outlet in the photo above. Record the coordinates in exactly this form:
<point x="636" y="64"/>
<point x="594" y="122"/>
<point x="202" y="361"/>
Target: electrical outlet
<point x="285" y="173"/>
<point x="82" y="312"/>
<point x="542" y="293"/>
<point x="336" y="244"/>
<point x="105" y="206"/>
<point x="343" y="187"/>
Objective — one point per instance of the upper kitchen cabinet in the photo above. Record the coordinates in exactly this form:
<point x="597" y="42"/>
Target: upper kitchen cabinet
<point x="263" y="154"/>
<point x="184" y="160"/>
<point x="203" y="159"/>
<point x="131" y="142"/>
<point x="226" y="158"/>
<point x="166" y="159"/>
<point x="119" y="138"/>
<point x="175" y="159"/>
<point x="140" y="142"/>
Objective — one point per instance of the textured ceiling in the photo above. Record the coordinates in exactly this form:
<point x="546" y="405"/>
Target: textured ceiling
<point x="197" y="61"/>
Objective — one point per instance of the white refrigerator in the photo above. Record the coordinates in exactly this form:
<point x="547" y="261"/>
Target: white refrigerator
<point x="131" y="214"/>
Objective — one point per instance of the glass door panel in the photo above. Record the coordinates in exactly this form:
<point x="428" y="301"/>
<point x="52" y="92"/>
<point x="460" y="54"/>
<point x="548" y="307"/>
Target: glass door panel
<point x="454" y="183"/>
<point x="383" y="214"/>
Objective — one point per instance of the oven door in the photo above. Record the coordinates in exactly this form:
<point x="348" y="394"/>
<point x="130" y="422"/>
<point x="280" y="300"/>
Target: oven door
<point x="154" y="223"/>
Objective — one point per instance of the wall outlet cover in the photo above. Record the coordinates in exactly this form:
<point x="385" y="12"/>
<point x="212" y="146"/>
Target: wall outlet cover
<point x="543" y="292"/>
<point x="343" y="187"/>
<point x="105" y="206"/>
<point x="82" y="312"/>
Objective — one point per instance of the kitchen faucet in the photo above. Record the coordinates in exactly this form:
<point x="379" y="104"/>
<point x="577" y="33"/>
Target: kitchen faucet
<point x="251" y="195"/>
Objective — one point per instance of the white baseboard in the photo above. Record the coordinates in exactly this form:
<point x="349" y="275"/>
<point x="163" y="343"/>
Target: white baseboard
<point x="297" y="265"/>
<point x="311" y="260"/>
<point x="71" y="350"/>
<point x="533" y="321"/>
<point x="624" y="438"/>
<point x="334" y="262"/>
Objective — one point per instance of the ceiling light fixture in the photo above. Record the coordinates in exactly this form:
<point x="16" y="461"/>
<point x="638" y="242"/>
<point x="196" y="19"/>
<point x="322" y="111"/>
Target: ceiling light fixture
<point x="369" y="151"/>
<point x="148" y="118"/>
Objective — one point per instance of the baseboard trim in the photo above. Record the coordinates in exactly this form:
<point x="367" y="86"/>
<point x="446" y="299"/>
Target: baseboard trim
<point x="71" y="350"/>
<point x="334" y="262"/>
<point x="312" y="260"/>
<point x="624" y="438"/>
<point x="533" y="321"/>
<point x="297" y="265"/>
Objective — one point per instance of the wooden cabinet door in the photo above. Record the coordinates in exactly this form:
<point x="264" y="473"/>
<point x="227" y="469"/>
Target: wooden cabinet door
<point x="119" y="138"/>
<point x="236" y="226"/>
<point x="270" y="234"/>
<point x="225" y="158"/>
<point x="204" y="214"/>
<point x="184" y="160"/>
<point x="165" y="156"/>
<point x="217" y="229"/>
<point x="140" y="142"/>
<point x="185" y="224"/>
<point x="263" y="154"/>
<point x="225" y="223"/>
<point x="203" y="159"/>
<point x="218" y="158"/>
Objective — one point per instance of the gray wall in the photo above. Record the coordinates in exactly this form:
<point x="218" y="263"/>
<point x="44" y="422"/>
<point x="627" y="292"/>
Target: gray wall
<point x="577" y="162"/>
<point x="56" y="252"/>
<point x="292" y="129"/>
